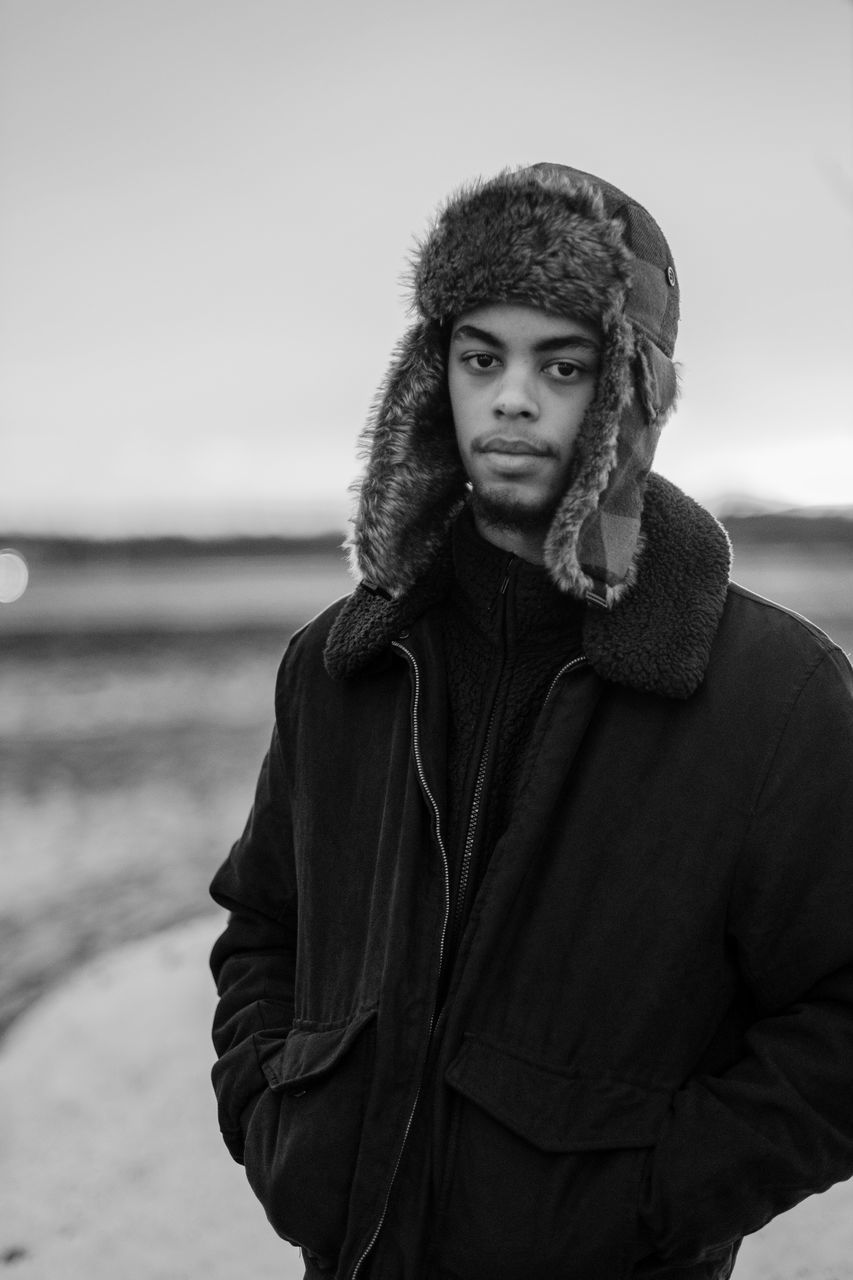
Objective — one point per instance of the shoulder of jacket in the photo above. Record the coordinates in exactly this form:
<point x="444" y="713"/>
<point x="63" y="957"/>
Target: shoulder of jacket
<point x="304" y="651"/>
<point x="772" y="614"/>
<point x="314" y="632"/>
<point x="783" y="641"/>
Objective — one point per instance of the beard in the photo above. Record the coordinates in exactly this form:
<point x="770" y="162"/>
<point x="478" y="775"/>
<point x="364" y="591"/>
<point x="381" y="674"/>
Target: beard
<point x="498" y="508"/>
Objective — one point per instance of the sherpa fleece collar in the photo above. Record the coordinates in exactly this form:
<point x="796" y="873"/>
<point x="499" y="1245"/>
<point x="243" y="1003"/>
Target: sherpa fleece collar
<point x="657" y="639"/>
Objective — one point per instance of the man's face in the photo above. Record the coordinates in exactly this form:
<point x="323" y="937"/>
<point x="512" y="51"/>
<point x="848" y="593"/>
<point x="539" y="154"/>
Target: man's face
<point x="520" y="383"/>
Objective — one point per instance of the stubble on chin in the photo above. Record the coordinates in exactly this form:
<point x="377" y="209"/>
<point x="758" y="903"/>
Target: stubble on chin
<point x="499" y="509"/>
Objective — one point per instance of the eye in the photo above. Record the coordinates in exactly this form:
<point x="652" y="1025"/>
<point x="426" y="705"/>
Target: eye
<point x="480" y="361"/>
<point x="564" y="370"/>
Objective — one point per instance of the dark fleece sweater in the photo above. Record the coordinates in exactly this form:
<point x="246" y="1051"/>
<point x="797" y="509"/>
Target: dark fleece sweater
<point x="507" y="631"/>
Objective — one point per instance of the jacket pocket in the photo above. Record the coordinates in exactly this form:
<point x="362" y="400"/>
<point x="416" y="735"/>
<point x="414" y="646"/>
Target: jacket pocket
<point x="303" y="1136"/>
<point x="545" y="1168"/>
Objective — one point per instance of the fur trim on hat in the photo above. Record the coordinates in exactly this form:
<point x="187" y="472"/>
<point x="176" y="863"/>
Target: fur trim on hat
<point x="414" y="483"/>
<point x="557" y="240"/>
<point x="525" y="237"/>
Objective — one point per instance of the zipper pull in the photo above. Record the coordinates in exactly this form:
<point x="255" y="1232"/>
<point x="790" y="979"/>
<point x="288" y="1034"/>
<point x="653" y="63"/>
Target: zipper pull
<point x="507" y="568"/>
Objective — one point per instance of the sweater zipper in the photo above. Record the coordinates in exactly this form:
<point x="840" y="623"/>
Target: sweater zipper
<point x="478" y="788"/>
<point x="474" y="816"/>
<point x="416" y="748"/>
<point x="473" y="822"/>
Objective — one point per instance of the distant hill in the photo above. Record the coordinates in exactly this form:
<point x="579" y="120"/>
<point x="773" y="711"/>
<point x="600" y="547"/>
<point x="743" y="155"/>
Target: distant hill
<point x="801" y="526"/>
<point x="41" y="549"/>
<point x="798" y="526"/>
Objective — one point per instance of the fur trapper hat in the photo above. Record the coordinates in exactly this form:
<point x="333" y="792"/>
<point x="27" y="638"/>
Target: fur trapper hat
<point x="570" y="244"/>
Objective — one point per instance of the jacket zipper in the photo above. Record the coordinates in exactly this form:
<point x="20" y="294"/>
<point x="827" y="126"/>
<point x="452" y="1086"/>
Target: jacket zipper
<point x="416" y="748"/>
<point x="580" y="661"/>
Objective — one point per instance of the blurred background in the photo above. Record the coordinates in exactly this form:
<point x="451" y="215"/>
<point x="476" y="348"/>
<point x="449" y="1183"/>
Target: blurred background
<point x="206" y="209"/>
<point x="205" y="216"/>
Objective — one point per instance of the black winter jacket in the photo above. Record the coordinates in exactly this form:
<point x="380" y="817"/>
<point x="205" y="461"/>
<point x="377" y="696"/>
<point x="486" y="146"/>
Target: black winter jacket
<point x="646" y="1050"/>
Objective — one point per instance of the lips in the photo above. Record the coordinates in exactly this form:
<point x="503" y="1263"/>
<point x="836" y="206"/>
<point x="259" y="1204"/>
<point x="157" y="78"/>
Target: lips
<point x="511" y="445"/>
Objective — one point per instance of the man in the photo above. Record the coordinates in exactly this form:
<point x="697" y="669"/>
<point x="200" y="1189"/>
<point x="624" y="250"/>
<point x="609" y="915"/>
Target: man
<point x="539" y="954"/>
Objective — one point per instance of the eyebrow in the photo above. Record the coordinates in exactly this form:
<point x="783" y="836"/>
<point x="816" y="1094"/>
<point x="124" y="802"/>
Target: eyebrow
<point x="557" y="343"/>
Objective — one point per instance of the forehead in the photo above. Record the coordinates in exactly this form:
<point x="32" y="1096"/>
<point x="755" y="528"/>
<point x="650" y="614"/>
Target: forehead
<point x="512" y="322"/>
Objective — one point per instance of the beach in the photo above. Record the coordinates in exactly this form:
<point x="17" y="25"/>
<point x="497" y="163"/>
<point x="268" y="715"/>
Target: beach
<point x="111" y="1163"/>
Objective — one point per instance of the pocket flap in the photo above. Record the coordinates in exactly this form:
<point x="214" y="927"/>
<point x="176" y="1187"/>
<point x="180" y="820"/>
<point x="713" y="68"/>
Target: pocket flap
<point x="306" y="1055"/>
<point x="556" y="1110"/>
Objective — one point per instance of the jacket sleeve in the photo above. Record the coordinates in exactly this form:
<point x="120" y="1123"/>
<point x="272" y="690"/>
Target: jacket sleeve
<point x="741" y="1147"/>
<point x="254" y="959"/>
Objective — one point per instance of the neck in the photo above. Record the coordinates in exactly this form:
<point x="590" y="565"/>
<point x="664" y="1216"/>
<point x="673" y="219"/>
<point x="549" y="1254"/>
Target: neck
<point x="527" y="544"/>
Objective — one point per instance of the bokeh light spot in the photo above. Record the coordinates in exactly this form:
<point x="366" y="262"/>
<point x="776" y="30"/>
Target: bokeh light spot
<point x="14" y="576"/>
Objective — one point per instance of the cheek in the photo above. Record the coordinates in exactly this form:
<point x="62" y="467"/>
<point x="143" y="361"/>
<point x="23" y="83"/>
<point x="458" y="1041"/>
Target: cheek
<point x="462" y="405"/>
<point x="573" y="420"/>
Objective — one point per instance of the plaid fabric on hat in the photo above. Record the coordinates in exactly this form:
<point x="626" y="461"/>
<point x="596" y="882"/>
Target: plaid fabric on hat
<point x="608" y="537"/>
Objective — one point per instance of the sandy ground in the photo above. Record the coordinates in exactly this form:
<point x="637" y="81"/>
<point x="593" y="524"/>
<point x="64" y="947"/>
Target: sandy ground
<point x="111" y="1163"/>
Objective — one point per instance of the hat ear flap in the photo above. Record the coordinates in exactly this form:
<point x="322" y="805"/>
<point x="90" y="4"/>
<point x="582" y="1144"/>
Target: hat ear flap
<point x="414" y="482"/>
<point x="611" y="540"/>
<point x="594" y="542"/>
<point x="566" y="550"/>
<point x="657" y="381"/>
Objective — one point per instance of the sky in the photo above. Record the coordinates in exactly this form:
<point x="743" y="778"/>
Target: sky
<point x="207" y="207"/>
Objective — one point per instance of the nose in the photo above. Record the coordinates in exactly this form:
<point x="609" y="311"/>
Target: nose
<point x="515" y="396"/>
